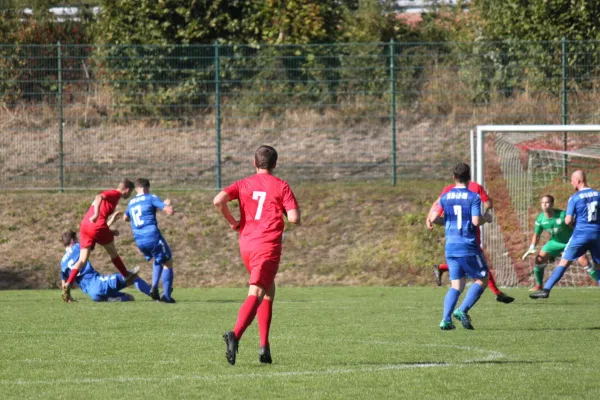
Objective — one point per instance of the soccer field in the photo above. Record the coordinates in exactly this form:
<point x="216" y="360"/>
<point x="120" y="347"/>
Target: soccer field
<point x="334" y="343"/>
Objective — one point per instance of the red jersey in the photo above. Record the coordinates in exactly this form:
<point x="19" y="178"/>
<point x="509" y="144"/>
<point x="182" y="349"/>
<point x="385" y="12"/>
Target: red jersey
<point x="263" y="199"/>
<point x="107" y="207"/>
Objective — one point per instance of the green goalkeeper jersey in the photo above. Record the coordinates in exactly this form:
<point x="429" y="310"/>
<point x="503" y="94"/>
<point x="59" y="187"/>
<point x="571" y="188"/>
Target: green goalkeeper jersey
<point x="560" y="231"/>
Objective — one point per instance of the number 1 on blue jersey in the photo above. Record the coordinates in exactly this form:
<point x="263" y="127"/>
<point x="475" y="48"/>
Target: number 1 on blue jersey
<point x="458" y="213"/>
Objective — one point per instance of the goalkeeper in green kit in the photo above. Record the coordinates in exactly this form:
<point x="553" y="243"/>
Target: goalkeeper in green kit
<point x="552" y="220"/>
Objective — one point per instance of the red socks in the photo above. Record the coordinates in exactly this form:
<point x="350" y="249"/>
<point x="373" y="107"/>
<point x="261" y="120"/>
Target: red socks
<point x="246" y="315"/>
<point x="72" y="276"/>
<point x="492" y="284"/>
<point x="264" y="315"/>
<point x="120" y="266"/>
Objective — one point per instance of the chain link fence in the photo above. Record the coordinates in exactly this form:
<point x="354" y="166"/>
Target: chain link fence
<point x="84" y="116"/>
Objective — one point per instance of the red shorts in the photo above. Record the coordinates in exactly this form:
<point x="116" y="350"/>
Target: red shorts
<point x="89" y="235"/>
<point x="263" y="266"/>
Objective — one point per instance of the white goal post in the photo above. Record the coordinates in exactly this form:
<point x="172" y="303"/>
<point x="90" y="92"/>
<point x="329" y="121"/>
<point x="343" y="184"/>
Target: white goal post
<point x="517" y="164"/>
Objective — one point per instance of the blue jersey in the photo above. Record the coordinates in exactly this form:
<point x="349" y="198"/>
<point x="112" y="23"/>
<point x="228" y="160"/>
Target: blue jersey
<point x="459" y="206"/>
<point x="87" y="275"/>
<point x="141" y="210"/>
<point x="583" y="206"/>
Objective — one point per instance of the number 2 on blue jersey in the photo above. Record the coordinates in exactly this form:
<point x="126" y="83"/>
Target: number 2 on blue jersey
<point x="136" y="214"/>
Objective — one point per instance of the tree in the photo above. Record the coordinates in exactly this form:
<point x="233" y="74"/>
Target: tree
<point x="538" y="19"/>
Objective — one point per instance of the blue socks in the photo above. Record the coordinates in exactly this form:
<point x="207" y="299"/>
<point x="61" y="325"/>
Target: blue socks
<point x="449" y="303"/>
<point x="167" y="280"/>
<point x="156" y="272"/>
<point x="473" y="295"/>
<point x="555" y="277"/>
<point x="142" y="286"/>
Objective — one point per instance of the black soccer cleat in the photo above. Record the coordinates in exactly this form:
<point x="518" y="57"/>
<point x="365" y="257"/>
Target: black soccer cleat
<point x="540" y="294"/>
<point x="154" y="294"/>
<point x="437" y="274"/>
<point x="464" y="319"/>
<point x="231" y="345"/>
<point x="264" y="355"/>
<point x="502" y="298"/>
<point x="170" y="300"/>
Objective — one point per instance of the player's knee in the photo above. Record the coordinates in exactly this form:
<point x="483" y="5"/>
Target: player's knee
<point x="540" y="260"/>
<point x="98" y="298"/>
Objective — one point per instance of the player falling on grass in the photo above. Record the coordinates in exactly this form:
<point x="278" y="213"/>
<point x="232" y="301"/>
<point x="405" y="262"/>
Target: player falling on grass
<point x="552" y="220"/>
<point x="98" y="287"/>
<point x="462" y="215"/>
<point x="141" y="211"/>
<point x="438" y="270"/>
<point x="582" y="211"/>
<point x="263" y="200"/>
<point x="94" y="229"/>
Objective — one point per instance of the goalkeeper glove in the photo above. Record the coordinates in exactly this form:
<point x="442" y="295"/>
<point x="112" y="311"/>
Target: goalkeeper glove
<point x="531" y="250"/>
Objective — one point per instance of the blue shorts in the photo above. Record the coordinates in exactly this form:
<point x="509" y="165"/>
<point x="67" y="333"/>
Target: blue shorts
<point x="159" y="250"/>
<point x="106" y="286"/>
<point x="474" y="267"/>
<point x="580" y="243"/>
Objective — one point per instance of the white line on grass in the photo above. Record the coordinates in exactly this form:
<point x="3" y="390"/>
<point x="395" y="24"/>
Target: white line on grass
<point x="491" y="355"/>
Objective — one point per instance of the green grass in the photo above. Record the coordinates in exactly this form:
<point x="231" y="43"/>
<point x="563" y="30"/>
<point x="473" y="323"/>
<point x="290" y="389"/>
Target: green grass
<point x="335" y="343"/>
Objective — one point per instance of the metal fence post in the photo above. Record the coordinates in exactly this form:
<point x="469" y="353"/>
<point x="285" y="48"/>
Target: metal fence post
<point x="218" y="114"/>
<point x="393" y="107"/>
<point x="564" y="102"/>
<point x="61" y="154"/>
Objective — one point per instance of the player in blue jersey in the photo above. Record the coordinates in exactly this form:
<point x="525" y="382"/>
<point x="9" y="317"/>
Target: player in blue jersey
<point x="582" y="213"/>
<point x="462" y="214"/>
<point x="141" y="211"/>
<point x="98" y="287"/>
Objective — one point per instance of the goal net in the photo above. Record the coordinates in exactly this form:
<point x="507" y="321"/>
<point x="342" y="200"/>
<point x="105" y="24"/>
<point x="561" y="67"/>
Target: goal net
<point x="518" y="165"/>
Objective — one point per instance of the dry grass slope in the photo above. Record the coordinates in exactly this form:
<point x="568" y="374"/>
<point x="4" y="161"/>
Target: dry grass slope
<point x="351" y="234"/>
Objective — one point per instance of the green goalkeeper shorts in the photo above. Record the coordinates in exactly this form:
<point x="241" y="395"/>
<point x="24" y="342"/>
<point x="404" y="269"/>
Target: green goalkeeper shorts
<point x="554" y="248"/>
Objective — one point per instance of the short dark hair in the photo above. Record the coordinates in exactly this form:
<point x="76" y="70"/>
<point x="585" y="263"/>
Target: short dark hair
<point x="462" y="173"/>
<point x="67" y="237"/>
<point x="143" y="183"/>
<point x="549" y="196"/>
<point x="126" y="183"/>
<point x="265" y="157"/>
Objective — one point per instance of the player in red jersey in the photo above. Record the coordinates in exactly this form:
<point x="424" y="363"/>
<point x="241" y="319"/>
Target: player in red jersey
<point x="263" y="200"/>
<point x="95" y="229"/>
<point x="438" y="270"/>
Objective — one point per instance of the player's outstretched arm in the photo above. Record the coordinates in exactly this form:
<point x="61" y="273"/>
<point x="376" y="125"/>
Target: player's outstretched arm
<point x="220" y="201"/>
<point x="97" y="201"/>
<point x="169" y="210"/>
<point x="569" y="220"/>
<point x="113" y="218"/>
<point x="477" y="220"/>
<point x="531" y="250"/>
<point x="435" y="215"/>
<point x="294" y="216"/>
<point x="434" y="218"/>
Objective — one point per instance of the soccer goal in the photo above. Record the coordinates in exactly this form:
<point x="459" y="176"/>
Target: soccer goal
<point x="518" y="164"/>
